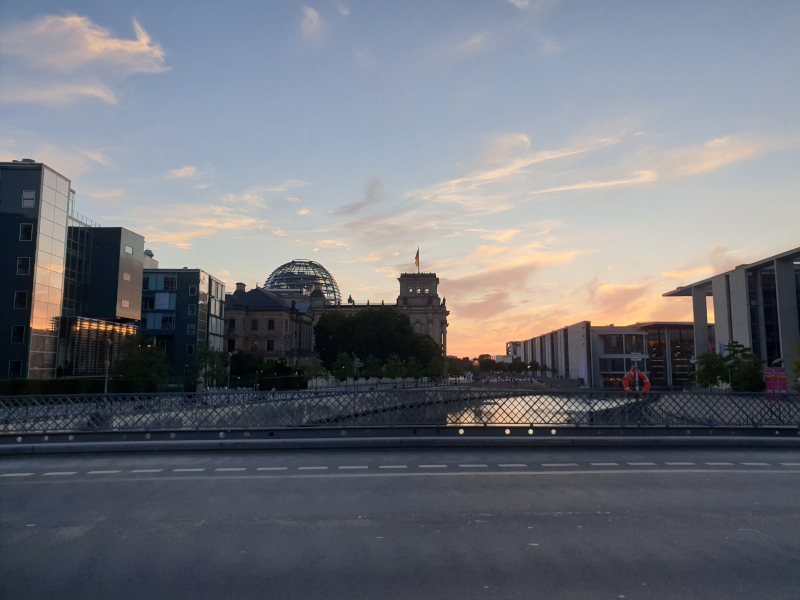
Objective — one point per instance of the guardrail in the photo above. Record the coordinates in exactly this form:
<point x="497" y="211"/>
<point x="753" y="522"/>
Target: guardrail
<point x="439" y="406"/>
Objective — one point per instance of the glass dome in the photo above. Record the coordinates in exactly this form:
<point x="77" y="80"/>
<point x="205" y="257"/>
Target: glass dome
<point x="303" y="274"/>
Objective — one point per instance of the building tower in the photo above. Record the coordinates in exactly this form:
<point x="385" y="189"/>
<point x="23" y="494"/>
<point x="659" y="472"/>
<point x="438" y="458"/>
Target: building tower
<point x="419" y="299"/>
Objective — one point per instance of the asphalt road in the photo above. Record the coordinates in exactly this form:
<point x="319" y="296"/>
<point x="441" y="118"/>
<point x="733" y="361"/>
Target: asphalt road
<point x="604" y="523"/>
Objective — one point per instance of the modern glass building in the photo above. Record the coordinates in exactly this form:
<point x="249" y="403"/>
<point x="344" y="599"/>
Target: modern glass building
<point x="182" y="308"/>
<point x="303" y="275"/>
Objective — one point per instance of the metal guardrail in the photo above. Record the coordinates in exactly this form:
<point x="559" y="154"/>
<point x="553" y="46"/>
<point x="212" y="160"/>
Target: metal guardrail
<point x="439" y="406"/>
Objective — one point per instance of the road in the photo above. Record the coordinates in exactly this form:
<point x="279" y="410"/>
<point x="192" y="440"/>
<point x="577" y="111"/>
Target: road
<point x="488" y="523"/>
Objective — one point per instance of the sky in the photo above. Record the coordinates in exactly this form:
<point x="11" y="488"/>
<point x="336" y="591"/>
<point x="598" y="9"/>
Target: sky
<point x="553" y="161"/>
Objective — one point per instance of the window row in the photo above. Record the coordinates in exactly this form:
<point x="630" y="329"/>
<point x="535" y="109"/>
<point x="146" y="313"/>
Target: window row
<point x="269" y="347"/>
<point x="253" y="324"/>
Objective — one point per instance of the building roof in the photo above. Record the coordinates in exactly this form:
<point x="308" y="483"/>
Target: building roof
<point x="255" y="298"/>
<point x="686" y="290"/>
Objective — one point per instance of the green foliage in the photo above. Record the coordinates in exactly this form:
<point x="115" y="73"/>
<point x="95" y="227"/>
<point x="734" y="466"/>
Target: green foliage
<point x="486" y="363"/>
<point x="394" y="367"/>
<point x="710" y="370"/>
<point x="343" y="367"/>
<point x="413" y="368"/>
<point x="456" y="367"/>
<point x="208" y="364"/>
<point x="141" y="363"/>
<point x="376" y="333"/>
<point x="314" y="369"/>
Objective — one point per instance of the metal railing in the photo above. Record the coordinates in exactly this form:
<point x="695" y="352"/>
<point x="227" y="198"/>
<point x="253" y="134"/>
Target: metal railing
<point x="439" y="406"/>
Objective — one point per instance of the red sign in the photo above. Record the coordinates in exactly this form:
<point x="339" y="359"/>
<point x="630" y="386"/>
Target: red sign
<point x="775" y="378"/>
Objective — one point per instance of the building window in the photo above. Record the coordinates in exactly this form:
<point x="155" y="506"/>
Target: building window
<point x="231" y="345"/>
<point x="189" y="348"/>
<point x="170" y="283"/>
<point x="168" y="322"/>
<point x="126" y="276"/>
<point x="20" y="299"/>
<point x="254" y="346"/>
<point x="190" y="329"/>
<point x="23" y="265"/>
<point x="17" y="334"/>
<point x="28" y="198"/>
<point x="128" y="250"/>
<point x="193" y="290"/>
<point x="192" y="309"/>
<point x="254" y="325"/>
<point x="271" y="324"/>
<point x="126" y="304"/>
<point x="270" y="345"/>
<point x="427" y="290"/>
<point x="14" y="369"/>
<point x="231" y="324"/>
<point x="25" y="232"/>
<point x="149" y="303"/>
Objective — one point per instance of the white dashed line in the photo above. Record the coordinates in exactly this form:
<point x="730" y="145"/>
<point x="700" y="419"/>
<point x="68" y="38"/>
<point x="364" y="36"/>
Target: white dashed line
<point x="605" y="464"/>
<point x="231" y="469"/>
<point x="719" y="464"/>
<point x="559" y="464"/>
<point x="271" y="469"/>
<point x="473" y="466"/>
<point x="642" y="464"/>
<point x="680" y="464"/>
<point x="187" y="470"/>
<point x="392" y="466"/>
<point x="791" y="464"/>
<point x="146" y="470"/>
<point x="512" y="465"/>
<point x="756" y="464"/>
<point x="102" y="472"/>
<point x="353" y="467"/>
<point x="433" y="466"/>
<point x="61" y="473"/>
<point x="16" y="474"/>
<point x="311" y="468"/>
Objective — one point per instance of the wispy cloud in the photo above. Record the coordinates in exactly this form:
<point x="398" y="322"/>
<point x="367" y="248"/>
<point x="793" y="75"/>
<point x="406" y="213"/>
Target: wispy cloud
<point x="638" y="178"/>
<point x="304" y="211"/>
<point x="330" y="243"/>
<point x="343" y="10"/>
<point x="184" y="173"/>
<point x="312" y="25"/>
<point x="686" y="273"/>
<point x="374" y="195"/>
<point x="105" y="194"/>
<point x="18" y="92"/>
<point x="68" y="43"/>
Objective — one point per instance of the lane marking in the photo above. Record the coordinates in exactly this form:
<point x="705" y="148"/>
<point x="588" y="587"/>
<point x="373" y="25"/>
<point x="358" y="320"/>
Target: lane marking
<point x="749" y="464"/>
<point x="642" y="464"/>
<point x="392" y="466"/>
<point x="512" y="465"/>
<point x="680" y="464"/>
<point x="791" y="464"/>
<point x="61" y="473"/>
<point x="353" y="467"/>
<point x="608" y="464"/>
<point x="311" y="468"/>
<point x="433" y="466"/>
<point x="473" y="466"/>
<point x="187" y="470"/>
<point x="146" y="470"/>
<point x="231" y="469"/>
<point x="719" y="464"/>
<point x="559" y="464"/>
<point x="102" y="472"/>
<point x="271" y="468"/>
<point x="16" y="474"/>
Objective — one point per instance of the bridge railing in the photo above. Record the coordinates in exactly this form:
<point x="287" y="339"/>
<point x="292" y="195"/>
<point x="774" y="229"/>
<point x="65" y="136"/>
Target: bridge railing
<point x="440" y="406"/>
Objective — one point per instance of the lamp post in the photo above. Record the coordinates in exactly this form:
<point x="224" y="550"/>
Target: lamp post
<point x="108" y="363"/>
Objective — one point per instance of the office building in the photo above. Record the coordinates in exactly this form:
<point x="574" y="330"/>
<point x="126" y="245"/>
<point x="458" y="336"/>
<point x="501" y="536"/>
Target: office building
<point x="756" y="304"/>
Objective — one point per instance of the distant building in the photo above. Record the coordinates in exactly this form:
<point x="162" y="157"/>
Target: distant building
<point x="757" y="305"/>
<point x="181" y="309"/>
<point x="268" y="324"/>
<point x="601" y="356"/>
<point x="62" y="268"/>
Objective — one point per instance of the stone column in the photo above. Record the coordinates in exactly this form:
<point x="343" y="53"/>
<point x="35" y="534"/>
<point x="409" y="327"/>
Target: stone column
<point x="788" y="327"/>
<point x="700" y="312"/>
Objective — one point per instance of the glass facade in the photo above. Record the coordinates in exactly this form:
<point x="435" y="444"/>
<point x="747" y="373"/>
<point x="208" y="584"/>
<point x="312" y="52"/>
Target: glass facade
<point x="51" y="239"/>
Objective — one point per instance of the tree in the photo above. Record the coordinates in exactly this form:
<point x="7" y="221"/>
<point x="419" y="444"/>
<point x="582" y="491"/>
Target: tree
<point x="413" y="368"/>
<point x="372" y="367"/>
<point x="394" y="367"/>
<point x="343" y="367"/>
<point x="208" y="364"/>
<point x="710" y="370"/>
<point x="486" y="363"/>
<point x="314" y="369"/>
<point x="142" y="363"/>
<point x="456" y="367"/>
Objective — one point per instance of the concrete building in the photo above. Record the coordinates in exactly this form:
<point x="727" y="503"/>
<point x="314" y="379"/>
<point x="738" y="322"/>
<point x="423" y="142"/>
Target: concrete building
<point x="269" y="324"/>
<point x="61" y="267"/>
<point x="756" y="304"/>
<point x="601" y="356"/>
<point x="182" y="308"/>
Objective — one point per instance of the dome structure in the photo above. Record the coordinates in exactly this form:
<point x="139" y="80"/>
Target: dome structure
<point x="303" y="274"/>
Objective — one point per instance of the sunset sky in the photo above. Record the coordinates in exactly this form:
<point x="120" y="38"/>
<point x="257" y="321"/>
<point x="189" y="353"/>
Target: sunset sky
<point x="553" y="161"/>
